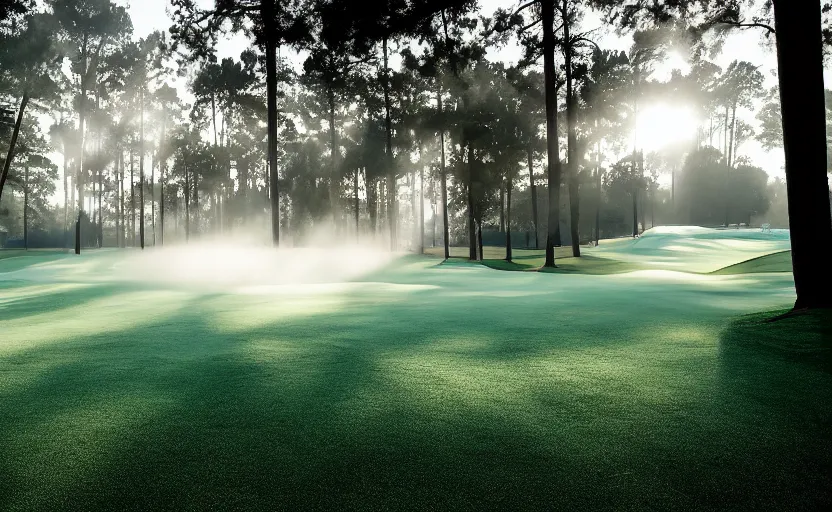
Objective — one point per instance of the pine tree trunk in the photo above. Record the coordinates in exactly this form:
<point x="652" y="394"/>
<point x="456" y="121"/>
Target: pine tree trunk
<point x="480" y="254"/>
<point x="141" y="174"/>
<point x="357" y="209"/>
<point x="132" y="199"/>
<point x="472" y="234"/>
<point x="508" y="219"/>
<point x="26" y="207"/>
<point x="271" y="100"/>
<point x="502" y="209"/>
<point x="553" y="159"/>
<point x="444" y="182"/>
<point x="391" y="171"/>
<point x="66" y="194"/>
<point x="571" y="138"/>
<point x="800" y="70"/>
<point x="187" y="203"/>
<point x="421" y="208"/>
<point x="533" y="191"/>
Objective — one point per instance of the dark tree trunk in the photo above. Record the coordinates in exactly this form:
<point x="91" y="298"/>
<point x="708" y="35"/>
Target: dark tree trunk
<point x="132" y="199"/>
<point x="635" y="213"/>
<point x="141" y="174"/>
<point x="421" y="208"/>
<point x="598" y="196"/>
<point x="100" y="207"/>
<point x="502" y="209"/>
<point x="187" y="204"/>
<point x="533" y="191"/>
<point x="66" y="197"/>
<point x="357" y="209"/>
<point x="571" y="139"/>
<point x="391" y="171"/>
<point x="162" y="158"/>
<point x="10" y="155"/>
<point x="472" y="234"/>
<point x="196" y="202"/>
<point x="334" y="182"/>
<point x="372" y="202"/>
<point x="123" y="234"/>
<point x="271" y="100"/>
<point x="508" y="220"/>
<point x="553" y="171"/>
<point x="804" y="140"/>
<point x="731" y="155"/>
<point x="26" y="207"/>
<point x="480" y="254"/>
<point x="444" y="183"/>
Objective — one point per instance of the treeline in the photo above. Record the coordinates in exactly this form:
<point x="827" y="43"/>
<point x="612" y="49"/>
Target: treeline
<point x="353" y="142"/>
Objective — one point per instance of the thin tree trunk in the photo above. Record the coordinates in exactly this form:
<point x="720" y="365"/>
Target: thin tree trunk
<point x="502" y="209"/>
<point x="480" y="254"/>
<point x="391" y="176"/>
<point x="187" y="203"/>
<point x="141" y="173"/>
<point x="153" y="200"/>
<point x="421" y="207"/>
<point x="472" y="234"/>
<point x="635" y="213"/>
<point x="598" y="194"/>
<point x="798" y="27"/>
<point x="444" y="181"/>
<point x="508" y="219"/>
<point x="271" y="100"/>
<point x="162" y="159"/>
<point x="196" y="202"/>
<point x="533" y="191"/>
<point x="731" y="155"/>
<point x="132" y="198"/>
<point x="26" y="207"/>
<point x="66" y="193"/>
<point x="357" y="209"/>
<point x="122" y="235"/>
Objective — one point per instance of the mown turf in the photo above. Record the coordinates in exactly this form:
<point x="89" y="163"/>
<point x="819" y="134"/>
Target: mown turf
<point x="416" y="386"/>
<point x="777" y="262"/>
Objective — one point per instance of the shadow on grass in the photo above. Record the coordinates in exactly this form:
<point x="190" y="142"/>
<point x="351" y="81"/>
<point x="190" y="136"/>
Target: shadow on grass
<point x="590" y="265"/>
<point x="436" y="402"/>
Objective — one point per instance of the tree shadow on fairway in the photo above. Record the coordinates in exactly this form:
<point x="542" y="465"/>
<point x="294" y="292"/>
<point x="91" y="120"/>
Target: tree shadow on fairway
<point x="46" y="302"/>
<point x="461" y="394"/>
<point x="775" y="380"/>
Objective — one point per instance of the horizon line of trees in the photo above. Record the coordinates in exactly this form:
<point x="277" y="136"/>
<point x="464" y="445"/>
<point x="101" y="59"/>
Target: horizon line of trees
<point x="352" y="143"/>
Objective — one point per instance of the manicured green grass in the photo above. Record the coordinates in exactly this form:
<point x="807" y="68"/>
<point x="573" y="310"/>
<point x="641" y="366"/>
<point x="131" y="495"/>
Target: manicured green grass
<point x="777" y="262"/>
<point x="417" y="385"/>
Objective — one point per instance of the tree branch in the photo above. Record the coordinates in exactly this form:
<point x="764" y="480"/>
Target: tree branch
<point x="530" y="25"/>
<point x="768" y="28"/>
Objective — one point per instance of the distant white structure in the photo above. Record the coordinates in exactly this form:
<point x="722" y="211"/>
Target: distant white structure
<point x="766" y="228"/>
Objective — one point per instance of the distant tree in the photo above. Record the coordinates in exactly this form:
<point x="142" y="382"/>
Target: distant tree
<point x="800" y="30"/>
<point x="271" y="24"/>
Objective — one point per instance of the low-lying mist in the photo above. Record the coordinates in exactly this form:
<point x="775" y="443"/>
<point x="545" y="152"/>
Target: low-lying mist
<point x="248" y="259"/>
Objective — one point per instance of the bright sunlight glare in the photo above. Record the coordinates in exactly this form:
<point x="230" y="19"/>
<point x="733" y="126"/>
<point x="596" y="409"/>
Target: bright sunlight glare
<point x="662" y="125"/>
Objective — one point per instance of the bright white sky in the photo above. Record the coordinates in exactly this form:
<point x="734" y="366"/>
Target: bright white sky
<point x="150" y="15"/>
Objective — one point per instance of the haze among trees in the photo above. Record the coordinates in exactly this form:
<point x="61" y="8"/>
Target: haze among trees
<point x="394" y="124"/>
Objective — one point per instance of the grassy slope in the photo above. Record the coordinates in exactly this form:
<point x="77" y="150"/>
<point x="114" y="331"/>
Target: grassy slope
<point x="422" y="386"/>
<point x="777" y="262"/>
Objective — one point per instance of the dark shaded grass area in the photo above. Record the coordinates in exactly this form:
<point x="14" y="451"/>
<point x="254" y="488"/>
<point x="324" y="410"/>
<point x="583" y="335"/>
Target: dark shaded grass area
<point x="429" y="399"/>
